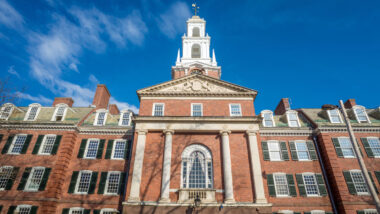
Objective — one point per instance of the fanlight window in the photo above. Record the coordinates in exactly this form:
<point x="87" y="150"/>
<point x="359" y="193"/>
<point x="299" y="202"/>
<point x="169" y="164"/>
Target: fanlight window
<point x="197" y="172"/>
<point x="196" y="51"/>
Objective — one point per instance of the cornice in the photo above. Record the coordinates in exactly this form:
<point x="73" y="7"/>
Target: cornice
<point x="285" y="132"/>
<point x="344" y="129"/>
<point x="253" y="119"/>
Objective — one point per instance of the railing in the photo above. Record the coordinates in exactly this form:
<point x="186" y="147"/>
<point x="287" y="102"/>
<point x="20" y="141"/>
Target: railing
<point x="188" y="195"/>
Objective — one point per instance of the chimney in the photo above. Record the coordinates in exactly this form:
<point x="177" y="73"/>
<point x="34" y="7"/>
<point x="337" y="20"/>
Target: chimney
<point x="282" y="106"/>
<point x="101" y="97"/>
<point x="66" y="100"/>
<point x="113" y="109"/>
<point x="350" y="103"/>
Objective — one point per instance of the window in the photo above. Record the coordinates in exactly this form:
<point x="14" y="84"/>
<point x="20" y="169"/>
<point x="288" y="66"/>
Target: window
<point x="293" y="119"/>
<point x="359" y="183"/>
<point x="235" y="110"/>
<point x="60" y="112"/>
<point x="311" y="185"/>
<point x="197" y="167"/>
<point x="196" y="32"/>
<point x="5" y="175"/>
<point x="83" y="182"/>
<point x="274" y="150"/>
<point x="268" y="120"/>
<point x="47" y="145"/>
<point x="317" y="212"/>
<point x="125" y="119"/>
<point x="196" y="110"/>
<point x="33" y="111"/>
<point x="302" y="150"/>
<point x="112" y="185"/>
<point x="92" y="148"/>
<point x="35" y="179"/>
<point x="158" y="109"/>
<point x="281" y="184"/>
<point x="346" y="146"/>
<point x="17" y="144"/>
<point x="361" y="114"/>
<point x="370" y="211"/>
<point x="108" y="211"/>
<point x="334" y="116"/>
<point x="6" y="111"/>
<point x="76" y="210"/>
<point x="196" y="51"/>
<point x="100" y="118"/>
<point x="119" y="149"/>
<point x="374" y="144"/>
<point x="23" y="209"/>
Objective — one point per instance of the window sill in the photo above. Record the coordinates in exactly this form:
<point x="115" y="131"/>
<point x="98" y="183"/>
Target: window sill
<point x="28" y="190"/>
<point x="117" y="159"/>
<point x="80" y="193"/>
<point x="89" y="158"/>
<point x="47" y="154"/>
<point x="13" y="153"/>
<point x="111" y="194"/>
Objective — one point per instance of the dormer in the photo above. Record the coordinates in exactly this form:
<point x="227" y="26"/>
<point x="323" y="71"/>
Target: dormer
<point x="360" y="114"/>
<point x="33" y="111"/>
<point x="100" y="117"/>
<point x="292" y="118"/>
<point x="268" y="120"/>
<point x="6" y="111"/>
<point x="60" y="112"/>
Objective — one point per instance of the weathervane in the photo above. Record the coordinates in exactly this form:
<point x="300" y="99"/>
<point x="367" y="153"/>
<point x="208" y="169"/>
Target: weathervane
<point x="196" y="8"/>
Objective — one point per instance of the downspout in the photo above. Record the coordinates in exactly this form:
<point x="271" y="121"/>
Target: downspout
<point x="315" y="140"/>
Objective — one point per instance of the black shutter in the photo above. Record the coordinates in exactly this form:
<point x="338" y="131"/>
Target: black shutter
<point x="82" y="148"/>
<point x="284" y="151"/>
<point x="86" y="211"/>
<point x="293" y="150"/>
<point x="26" y="144"/>
<point x="109" y="149"/>
<point x="264" y="146"/>
<point x="34" y="210"/>
<point x="1" y="138"/>
<point x="65" y="210"/>
<point x="127" y="149"/>
<point x="306" y="212"/>
<point x="12" y="178"/>
<point x="44" y="180"/>
<point x="271" y="187"/>
<point x="301" y="186"/>
<point x="337" y="147"/>
<point x="1" y="206"/>
<point x="350" y="183"/>
<point x="99" y="153"/>
<point x="291" y="185"/>
<point x="38" y="144"/>
<point x="311" y="148"/>
<point x="24" y="178"/>
<point x="102" y="183"/>
<point x="56" y="144"/>
<point x="96" y="211"/>
<point x="377" y="174"/>
<point x="360" y="212"/>
<point x="11" y="209"/>
<point x="94" y="178"/>
<point x="122" y="183"/>
<point x="321" y="184"/>
<point x="7" y="144"/>
<point x="373" y="182"/>
<point x="73" y="181"/>
<point x="367" y="148"/>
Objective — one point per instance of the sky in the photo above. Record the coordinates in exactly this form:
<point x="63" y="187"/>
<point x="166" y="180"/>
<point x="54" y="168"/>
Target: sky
<point x="313" y="52"/>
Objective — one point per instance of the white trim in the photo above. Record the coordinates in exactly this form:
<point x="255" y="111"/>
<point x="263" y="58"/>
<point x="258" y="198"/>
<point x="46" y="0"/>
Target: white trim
<point x="287" y="117"/>
<point x="317" y="211"/>
<point x="367" y="211"/>
<point x="192" y="105"/>
<point x="53" y="118"/>
<point x="26" y="189"/>
<point x="307" y="149"/>
<point x="239" y="110"/>
<point x="275" y="186"/>
<point x="340" y="145"/>
<point x="109" y="210"/>
<point x="285" y="212"/>
<point x="87" y="145"/>
<point x="97" y="114"/>
<point x="3" y="108"/>
<point x="113" y="148"/>
<point x="13" y="144"/>
<point x="329" y="114"/>
<point x="365" y="113"/>
<point x="316" y="184"/>
<point x="279" y="147"/>
<point x="76" y="209"/>
<point x="78" y="180"/>
<point x="271" y="114"/>
<point x="44" y="141"/>
<point x="107" y="183"/>
<point x="163" y="109"/>
<point x="30" y="108"/>
<point x="121" y="118"/>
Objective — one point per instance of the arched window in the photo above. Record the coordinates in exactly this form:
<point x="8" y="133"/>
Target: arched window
<point x="196" y="32"/>
<point x="197" y="170"/>
<point x="196" y="51"/>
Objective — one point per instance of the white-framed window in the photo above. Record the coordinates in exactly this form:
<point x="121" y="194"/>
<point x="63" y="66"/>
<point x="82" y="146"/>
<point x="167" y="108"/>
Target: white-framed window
<point x="197" y="171"/>
<point x="293" y="120"/>
<point x="359" y="182"/>
<point x="158" y="109"/>
<point x="274" y="150"/>
<point x="83" y="182"/>
<point x="125" y="118"/>
<point x="268" y="120"/>
<point x="285" y="212"/>
<point x="346" y="146"/>
<point x="100" y="118"/>
<point x="6" y="111"/>
<point x="112" y="183"/>
<point x="23" y="209"/>
<point x="76" y="210"/>
<point x="17" y="144"/>
<point x="5" y="175"/>
<point x="108" y="211"/>
<point x="374" y="144"/>
<point x="302" y="150"/>
<point x="317" y="212"/>
<point x="370" y="211"/>
<point x="35" y="178"/>
<point x="281" y="184"/>
<point x="118" y="150"/>
<point x="311" y="185"/>
<point x="334" y="116"/>
<point x="33" y="111"/>
<point x="235" y="109"/>
<point x="47" y="144"/>
<point x="361" y="114"/>
<point x="91" y="148"/>
<point x="59" y="112"/>
<point x="196" y="110"/>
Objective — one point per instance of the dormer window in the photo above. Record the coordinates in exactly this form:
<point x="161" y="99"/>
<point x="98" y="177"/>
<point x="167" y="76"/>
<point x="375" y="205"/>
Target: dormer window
<point x="361" y="114"/>
<point x="268" y="120"/>
<point x="33" y="111"/>
<point x="125" y="119"/>
<point x="334" y="116"/>
<point x="6" y="111"/>
<point x="60" y="112"/>
<point x="100" y="118"/>
<point x="293" y="120"/>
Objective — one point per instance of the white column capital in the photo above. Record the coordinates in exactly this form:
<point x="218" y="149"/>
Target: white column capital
<point x="251" y="133"/>
<point x="224" y="132"/>
<point x="168" y="131"/>
<point x="141" y="131"/>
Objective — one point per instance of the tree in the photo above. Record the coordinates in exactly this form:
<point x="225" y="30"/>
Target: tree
<point x="8" y="94"/>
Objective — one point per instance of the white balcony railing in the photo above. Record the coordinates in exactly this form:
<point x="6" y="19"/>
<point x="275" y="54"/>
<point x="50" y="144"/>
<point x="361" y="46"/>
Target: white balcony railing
<point x="188" y="195"/>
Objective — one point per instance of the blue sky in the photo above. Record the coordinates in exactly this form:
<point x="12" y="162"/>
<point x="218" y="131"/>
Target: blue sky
<point x="314" y="52"/>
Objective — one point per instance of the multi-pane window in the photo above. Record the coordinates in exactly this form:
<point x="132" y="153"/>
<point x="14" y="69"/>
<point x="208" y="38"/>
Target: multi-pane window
<point x="158" y="109"/>
<point x="32" y="112"/>
<point x="196" y="110"/>
<point x="119" y="149"/>
<point x="359" y="183"/>
<point x="35" y="178"/>
<point x="76" y="211"/>
<point x="24" y="209"/>
<point x="334" y="116"/>
<point x="108" y="211"/>
<point x="100" y="118"/>
<point x="268" y="119"/>
<point x="311" y="185"/>
<point x="112" y="185"/>
<point x="235" y="110"/>
<point x="47" y="144"/>
<point x="92" y="148"/>
<point x="374" y="144"/>
<point x="346" y="146"/>
<point x="281" y="184"/>
<point x="124" y="119"/>
<point x="17" y="144"/>
<point x="59" y="113"/>
<point x="6" y="111"/>
<point x="361" y="114"/>
<point x="293" y="119"/>
<point x="302" y="150"/>
<point x="274" y="150"/>
<point x="370" y="211"/>
<point x="5" y="175"/>
<point x="83" y="182"/>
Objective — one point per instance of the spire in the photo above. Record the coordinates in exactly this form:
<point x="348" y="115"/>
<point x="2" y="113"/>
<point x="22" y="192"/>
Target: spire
<point x="213" y="58"/>
<point x="178" y="57"/>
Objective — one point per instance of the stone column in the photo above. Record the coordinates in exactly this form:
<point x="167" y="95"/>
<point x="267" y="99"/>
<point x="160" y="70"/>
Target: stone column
<point x="256" y="167"/>
<point x="134" y="195"/>
<point x="166" y="168"/>
<point x="227" y="171"/>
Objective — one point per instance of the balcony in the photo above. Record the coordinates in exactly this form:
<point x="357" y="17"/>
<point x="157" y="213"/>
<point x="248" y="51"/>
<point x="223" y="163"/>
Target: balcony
<point x="188" y="195"/>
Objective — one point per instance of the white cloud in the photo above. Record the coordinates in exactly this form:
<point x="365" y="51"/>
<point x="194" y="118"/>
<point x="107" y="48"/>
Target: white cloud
<point x="11" y="70"/>
<point x="171" y="22"/>
<point x="38" y="99"/>
<point x="124" y="105"/>
<point x="93" y="79"/>
<point x="9" y="16"/>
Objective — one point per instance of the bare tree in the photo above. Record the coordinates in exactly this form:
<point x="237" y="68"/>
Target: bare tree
<point x="8" y="93"/>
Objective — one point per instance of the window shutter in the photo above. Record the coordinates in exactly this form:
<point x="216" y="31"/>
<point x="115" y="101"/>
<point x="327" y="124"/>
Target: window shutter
<point x="65" y="210"/>
<point x="297" y="212"/>
<point x="99" y="154"/>
<point x="26" y="144"/>
<point x="321" y="184"/>
<point x="96" y="211"/>
<point x="127" y="148"/>
<point x="12" y="178"/>
<point x="367" y="148"/>
<point x="7" y="144"/>
<point x="301" y="186"/>
<point x="24" y="178"/>
<point x="271" y="187"/>
<point x="109" y="149"/>
<point x="34" y="210"/>
<point x="44" y="180"/>
<point x="377" y="174"/>
<point x="360" y="212"/>
<point x="82" y="148"/>
<point x="337" y="147"/>
<point x="293" y="150"/>
<point x="1" y="206"/>
<point x="373" y="182"/>
<point x="86" y="211"/>
<point x="56" y="144"/>
<point x="264" y="146"/>
<point x="291" y="185"/>
<point x="11" y="209"/>
<point x="350" y="183"/>
<point x="306" y="213"/>
<point x="284" y="151"/>
<point x="122" y="183"/>
<point x="1" y="138"/>
<point x="329" y="213"/>
<point x="102" y="183"/>
<point x="73" y="181"/>
<point x="311" y="148"/>
<point x="38" y="144"/>
<point x="94" y="178"/>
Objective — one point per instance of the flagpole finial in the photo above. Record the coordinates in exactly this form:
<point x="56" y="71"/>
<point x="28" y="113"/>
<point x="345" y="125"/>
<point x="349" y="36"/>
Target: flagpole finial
<point x="196" y="8"/>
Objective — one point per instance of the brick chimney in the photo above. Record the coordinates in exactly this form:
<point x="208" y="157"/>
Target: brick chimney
<point x="66" y="100"/>
<point x="282" y="106"/>
<point x="101" y="97"/>
<point x="350" y="103"/>
<point x="113" y="109"/>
